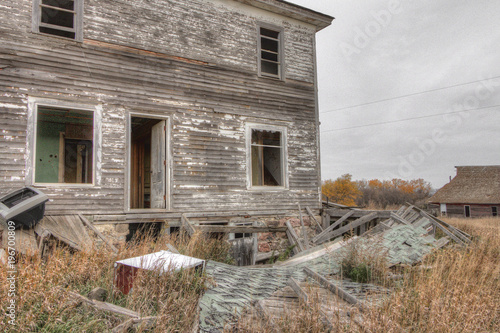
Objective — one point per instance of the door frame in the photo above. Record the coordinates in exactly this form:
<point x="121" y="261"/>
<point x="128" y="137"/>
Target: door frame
<point x="168" y="169"/>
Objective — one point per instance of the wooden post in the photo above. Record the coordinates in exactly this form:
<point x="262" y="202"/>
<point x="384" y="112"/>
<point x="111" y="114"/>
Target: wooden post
<point x="303" y="229"/>
<point x="327" y="221"/>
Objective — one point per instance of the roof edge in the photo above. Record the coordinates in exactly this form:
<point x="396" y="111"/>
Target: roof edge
<point x="297" y="12"/>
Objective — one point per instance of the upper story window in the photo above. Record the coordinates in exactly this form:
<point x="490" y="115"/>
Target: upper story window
<point x="270" y="52"/>
<point x="62" y="18"/>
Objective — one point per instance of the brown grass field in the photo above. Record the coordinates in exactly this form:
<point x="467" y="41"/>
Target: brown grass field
<point x="458" y="291"/>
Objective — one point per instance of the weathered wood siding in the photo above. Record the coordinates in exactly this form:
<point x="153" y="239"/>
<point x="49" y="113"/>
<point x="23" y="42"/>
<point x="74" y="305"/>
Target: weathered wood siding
<point x="208" y="98"/>
<point x="458" y="210"/>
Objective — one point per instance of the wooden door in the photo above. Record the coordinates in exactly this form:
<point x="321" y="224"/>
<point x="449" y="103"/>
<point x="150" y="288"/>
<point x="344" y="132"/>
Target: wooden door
<point x="158" y="165"/>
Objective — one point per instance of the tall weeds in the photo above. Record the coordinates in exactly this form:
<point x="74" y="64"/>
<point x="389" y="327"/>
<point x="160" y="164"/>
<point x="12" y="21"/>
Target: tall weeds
<point x="45" y="305"/>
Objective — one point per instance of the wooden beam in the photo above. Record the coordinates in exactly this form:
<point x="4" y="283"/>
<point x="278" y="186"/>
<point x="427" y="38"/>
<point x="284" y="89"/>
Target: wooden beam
<point x="98" y="233"/>
<point x="466" y="237"/>
<point x="331" y="227"/>
<point x="352" y="225"/>
<point x="398" y="218"/>
<point x="294" y="236"/>
<point x="303" y="229"/>
<point x="445" y="230"/>
<point x="108" y="307"/>
<point x="311" y="215"/>
<point x="244" y="229"/>
<point x="335" y="289"/>
<point x="293" y="243"/>
<point x="337" y="213"/>
<point x="187" y="225"/>
<point x="298" y="290"/>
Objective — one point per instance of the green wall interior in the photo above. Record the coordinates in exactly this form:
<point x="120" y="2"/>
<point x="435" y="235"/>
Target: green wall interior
<point x="50" y="122"/>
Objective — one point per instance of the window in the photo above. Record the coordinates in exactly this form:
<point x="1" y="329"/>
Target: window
<point x="62" y="18"/>
<point x="64" y="146"/>
<point x="494" y="211"/>
<point x="270" y="52"/>
<point x="267" y="156"/>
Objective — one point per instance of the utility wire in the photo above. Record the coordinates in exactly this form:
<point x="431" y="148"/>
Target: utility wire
<point x="406" y="119"/>
<point x="408" y="95"/>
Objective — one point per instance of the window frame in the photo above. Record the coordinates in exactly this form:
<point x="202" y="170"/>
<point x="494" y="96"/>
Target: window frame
<point x="494" y="211"/>
<point x="281" y="57"/>
<point x="36" y="21"/>
<point x="284" y="155"/>
<point x="33" y="105"/>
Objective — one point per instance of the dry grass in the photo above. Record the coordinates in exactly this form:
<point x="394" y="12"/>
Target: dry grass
<point x="43" y="307"/>
<point x="459" y="292"/>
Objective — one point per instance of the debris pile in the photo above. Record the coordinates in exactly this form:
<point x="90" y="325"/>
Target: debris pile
<point x="407" y="236"/>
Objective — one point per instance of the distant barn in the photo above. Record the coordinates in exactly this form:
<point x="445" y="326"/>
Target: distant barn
<point x="474" y="192"/>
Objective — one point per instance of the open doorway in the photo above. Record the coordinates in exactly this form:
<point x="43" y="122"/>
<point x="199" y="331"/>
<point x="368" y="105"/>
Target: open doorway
<point x="148" y="163"/>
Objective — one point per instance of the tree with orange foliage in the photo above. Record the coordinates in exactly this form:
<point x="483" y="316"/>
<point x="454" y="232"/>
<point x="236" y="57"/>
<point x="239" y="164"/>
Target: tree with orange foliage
<point x="392" y="192"/>
<point x="342" y="190"/>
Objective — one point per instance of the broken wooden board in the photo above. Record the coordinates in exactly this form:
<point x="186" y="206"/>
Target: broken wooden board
<point x="352" y="225"/>
<point x="325" y="232"/>
<point x="68" y="229"/>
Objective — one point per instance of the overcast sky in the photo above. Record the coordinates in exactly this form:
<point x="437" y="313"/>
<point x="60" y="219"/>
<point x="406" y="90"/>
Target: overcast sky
<point x="415" y="59"/>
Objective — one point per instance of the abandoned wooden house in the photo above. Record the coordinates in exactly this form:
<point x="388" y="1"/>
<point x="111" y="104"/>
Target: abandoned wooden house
<point x="474" y="192"/>
<point x="140" y="111"/>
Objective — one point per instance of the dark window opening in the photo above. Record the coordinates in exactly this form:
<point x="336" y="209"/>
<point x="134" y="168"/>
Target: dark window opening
<point x="64" y="146"/>
<point x="267" y="158"/>
<point x="58" y="17"/>
<point x="494" y="211"/>
<point x="467" y="211"/>
<point x="270" y="52"/>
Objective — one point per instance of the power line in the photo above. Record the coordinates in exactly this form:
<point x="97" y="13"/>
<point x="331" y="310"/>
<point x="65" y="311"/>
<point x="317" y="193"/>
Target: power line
<point x="407" y="95"/>
<point x="406" y="119"/>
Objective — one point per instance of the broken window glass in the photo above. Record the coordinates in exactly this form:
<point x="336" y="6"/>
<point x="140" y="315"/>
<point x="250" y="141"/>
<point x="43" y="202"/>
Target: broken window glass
<point x="267" y="158"/>
<point x="64" y="146"/>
